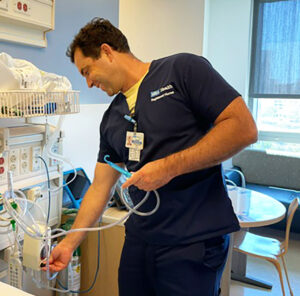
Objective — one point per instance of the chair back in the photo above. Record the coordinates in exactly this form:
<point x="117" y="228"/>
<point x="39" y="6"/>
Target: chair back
<point x="290" y="214"/>
<point x="243" y="181"/>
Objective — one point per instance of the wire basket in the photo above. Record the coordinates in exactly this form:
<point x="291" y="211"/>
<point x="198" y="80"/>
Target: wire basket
<point x="27" y="103"/>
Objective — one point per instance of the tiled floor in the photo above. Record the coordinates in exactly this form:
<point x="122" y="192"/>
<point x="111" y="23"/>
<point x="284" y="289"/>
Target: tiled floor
<point x="266" y="271"/>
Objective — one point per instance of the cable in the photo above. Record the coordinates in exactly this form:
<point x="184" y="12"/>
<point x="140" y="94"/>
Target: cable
<point x="56" y="156"/>
<point x="13" y="211"/>
<point x="5" y="219"/>
<point x="128" y="175"/>
<point x="48" y="182"/>
<point x="40" y="236"/>
<point x="133" y="210"/>
<point x="95" y="277"/>
<point x="11" y="192"/>
<point x="8" y="231"/>
<point x="16" y="246"/>
<point x="75" y="175"/>
<point x="5" y="225"/>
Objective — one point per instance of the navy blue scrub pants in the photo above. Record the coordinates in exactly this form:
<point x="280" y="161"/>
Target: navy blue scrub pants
<point x="183" y="270"/>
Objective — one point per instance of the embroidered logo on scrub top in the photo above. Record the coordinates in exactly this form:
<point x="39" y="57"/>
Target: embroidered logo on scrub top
<point x="162" y="92"/>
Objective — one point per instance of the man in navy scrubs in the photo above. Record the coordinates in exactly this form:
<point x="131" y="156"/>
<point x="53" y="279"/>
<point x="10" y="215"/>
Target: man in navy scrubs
<point x="186" y="120"/>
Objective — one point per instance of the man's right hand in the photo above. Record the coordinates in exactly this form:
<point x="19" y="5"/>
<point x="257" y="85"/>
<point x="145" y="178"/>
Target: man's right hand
<point x="92" y="206"/>
<point x="60" y="257"/>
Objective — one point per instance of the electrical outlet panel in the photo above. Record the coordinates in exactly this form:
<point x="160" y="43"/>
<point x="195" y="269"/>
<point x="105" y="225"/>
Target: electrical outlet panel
<point x="35" y="161"/>
<point x="24" y="160"/>
<point x="4" y="5"/>
<point x="3" y="166"/>
<point x="13" y="160"/>
<point x="22" y="147"/>
<point x="55" y="150"/>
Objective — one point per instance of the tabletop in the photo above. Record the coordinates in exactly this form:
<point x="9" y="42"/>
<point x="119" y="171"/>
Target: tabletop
<point x="6" y="289"/>
<point x="255" y="209"/>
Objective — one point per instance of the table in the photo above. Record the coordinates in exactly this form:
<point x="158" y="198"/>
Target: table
<point x="253" y="209"/>
<point x="6" y="289"/>
<point x="111" y="244"/>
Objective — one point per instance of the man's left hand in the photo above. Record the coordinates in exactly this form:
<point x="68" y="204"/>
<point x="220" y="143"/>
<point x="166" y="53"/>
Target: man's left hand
<point x="151" y="176"/>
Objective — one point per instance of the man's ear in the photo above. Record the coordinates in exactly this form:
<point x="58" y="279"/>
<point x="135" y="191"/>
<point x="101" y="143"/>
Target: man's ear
<point x="107" y="50"/>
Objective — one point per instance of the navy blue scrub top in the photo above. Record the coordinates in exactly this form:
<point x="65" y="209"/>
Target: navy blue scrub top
<point x="177" y="103"/>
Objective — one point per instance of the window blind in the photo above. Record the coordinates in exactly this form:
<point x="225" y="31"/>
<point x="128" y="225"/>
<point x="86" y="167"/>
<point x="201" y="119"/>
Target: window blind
<point x="275" y="59"/>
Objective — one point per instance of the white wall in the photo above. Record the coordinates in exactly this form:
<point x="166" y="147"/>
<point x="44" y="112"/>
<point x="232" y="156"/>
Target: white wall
<point x="227" y="36"/>
<point x="159" y="28"/>
<point x="81" y="142"/>
<point x="227" y="41"/>
<point x="218" y="29"/>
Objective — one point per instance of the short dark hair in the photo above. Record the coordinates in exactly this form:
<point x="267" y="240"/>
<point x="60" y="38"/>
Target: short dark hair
<point x="95" y="33"/>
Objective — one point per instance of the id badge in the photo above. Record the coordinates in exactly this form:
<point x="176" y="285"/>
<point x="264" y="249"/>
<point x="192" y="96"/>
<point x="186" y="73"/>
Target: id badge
<point x="134" y="154"/>
<point x="135" y="143"/>
<point x="134" y="140"/>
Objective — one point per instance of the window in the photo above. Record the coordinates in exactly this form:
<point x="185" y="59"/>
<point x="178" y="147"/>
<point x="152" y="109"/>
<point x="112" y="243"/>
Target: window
<point x="274" y="88"/>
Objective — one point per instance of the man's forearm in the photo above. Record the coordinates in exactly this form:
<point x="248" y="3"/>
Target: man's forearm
<point x="221" y="143"/>
<point x="93" y="203"/>
<point x="91" y="208"/>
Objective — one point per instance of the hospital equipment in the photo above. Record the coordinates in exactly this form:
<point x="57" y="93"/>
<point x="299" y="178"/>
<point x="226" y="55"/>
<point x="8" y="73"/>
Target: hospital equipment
<point x="20" y="148"/>
<point x="25" y="149"/>
<point x="31" y="156"/>
<point x="74" y="192"/>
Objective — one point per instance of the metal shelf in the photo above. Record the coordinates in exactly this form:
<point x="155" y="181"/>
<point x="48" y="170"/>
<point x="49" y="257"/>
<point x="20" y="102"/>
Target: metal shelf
<point x="30" y="103"/>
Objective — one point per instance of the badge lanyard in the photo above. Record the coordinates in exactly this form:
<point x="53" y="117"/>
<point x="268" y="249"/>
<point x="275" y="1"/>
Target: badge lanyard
<point x="134" y="140"/>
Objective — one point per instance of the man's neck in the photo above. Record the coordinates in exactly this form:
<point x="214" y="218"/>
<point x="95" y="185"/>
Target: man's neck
<point x="134" y="70"/>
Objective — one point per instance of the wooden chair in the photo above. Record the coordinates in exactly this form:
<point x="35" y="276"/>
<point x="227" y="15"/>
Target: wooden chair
<point x="267" y="248"/>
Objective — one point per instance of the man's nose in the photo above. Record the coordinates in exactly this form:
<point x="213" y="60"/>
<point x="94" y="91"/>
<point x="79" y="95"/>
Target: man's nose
<point x="89" y="82"/>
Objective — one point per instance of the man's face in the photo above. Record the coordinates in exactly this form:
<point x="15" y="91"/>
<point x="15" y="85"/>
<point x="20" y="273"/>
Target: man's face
<point x="99" y="72"/>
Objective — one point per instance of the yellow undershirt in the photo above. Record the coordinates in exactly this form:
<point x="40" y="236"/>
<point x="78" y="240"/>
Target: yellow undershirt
<point x="131" y="95"/>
